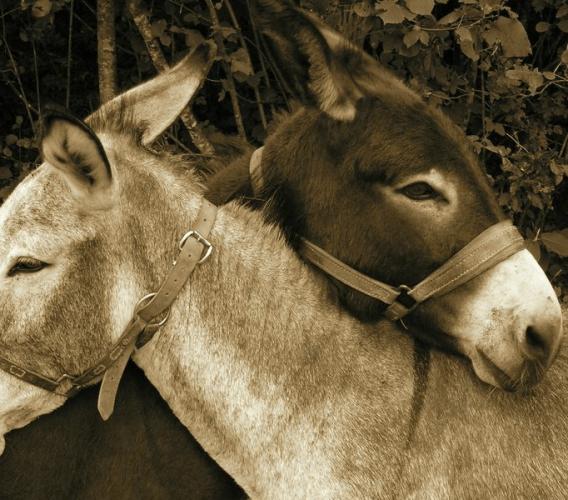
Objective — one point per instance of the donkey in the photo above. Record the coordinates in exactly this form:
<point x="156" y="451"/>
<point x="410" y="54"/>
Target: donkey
<point x="388" y="185"/>
<point x="314" y="412"/>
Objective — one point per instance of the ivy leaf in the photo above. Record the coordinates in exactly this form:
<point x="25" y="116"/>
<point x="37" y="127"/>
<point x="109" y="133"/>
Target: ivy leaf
<point x="533" y="78"/>
<point x="240" y="62"/>
<point x="411" y="38"/>
<point x="563" y="25"/>
<point x="466" y="43"/>
<point x="393" y="13"/>
<point x="452" y="17"/>
<point x="512" y="36"/>
<point x="556" y="241"/>
<point x="542" y="27"/>
<point x="564" y="57"/>
<point x="562" y="11"/>
<point x="41" y="8"/>
<point x="420" y="7"/>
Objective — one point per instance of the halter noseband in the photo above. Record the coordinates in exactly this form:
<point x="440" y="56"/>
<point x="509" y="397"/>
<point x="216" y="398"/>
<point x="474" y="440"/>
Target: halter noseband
<point x="492" y="246"/>
<point x="194" y="249"/>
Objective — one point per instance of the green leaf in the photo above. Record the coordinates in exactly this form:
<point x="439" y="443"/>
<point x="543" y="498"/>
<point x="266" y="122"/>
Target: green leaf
<point x="533" y="78"/>
<point x="542" y="27"/>
<point x="562" y="11"/>
<point x="564" y="57"/>
<point x="41" y="8"/>
<point x="465" y="41"/>
<point x="420" y="7"/>
<point x="556" y="241"/>
<point x="452" y="17"/>
<point x="393" y="13"/>
<point x="11" y="139"/>
<point x="563" y="25"/>
<point x="240" y="62"/>
<point x="411" y="38"/>
<point x="512" y="36"/>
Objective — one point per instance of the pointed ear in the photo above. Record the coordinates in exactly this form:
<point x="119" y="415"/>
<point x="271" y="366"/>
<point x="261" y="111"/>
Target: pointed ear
<point x="76" y="152"/>
<point x="156" y="104"/>
<point x="320" y="66"/>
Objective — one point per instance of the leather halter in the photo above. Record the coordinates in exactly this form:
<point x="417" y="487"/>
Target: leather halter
<point x="492" y="246"/>
<point x="194" y="249"/>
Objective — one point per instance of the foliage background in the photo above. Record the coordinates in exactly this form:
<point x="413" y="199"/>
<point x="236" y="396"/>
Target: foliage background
<point x="498" y="68"/>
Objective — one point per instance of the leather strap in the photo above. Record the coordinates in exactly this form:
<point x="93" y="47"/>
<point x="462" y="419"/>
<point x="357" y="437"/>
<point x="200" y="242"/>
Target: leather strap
<point x="194" y="250"/>
<point x="492" y="246"/>
<point x="347" y="275"/>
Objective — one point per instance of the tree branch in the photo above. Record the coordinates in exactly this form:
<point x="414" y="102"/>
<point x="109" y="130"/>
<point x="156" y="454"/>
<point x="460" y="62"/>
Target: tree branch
<point x="230" y="81"/>
<point x="144" y="27"/>
<point x="106" y="55"/>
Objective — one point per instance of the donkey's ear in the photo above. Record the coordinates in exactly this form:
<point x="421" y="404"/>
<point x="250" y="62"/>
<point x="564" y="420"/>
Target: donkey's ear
<point x="320" y="66"/>
<point x="316" y="71"/>
<point x="156" y="104"/>
<point x="76" y="152"/>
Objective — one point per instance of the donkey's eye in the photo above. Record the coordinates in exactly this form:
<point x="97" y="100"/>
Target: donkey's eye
<point x="419" y="191"/>
<point x="26" y="265"/>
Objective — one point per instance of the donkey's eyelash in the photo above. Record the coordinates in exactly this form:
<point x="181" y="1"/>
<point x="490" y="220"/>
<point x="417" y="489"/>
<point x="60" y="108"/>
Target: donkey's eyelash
<point x="26" y="265"/>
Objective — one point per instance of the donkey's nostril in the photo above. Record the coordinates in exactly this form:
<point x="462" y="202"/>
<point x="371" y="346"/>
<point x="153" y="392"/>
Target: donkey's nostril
<point x="534" y="341"/>
<point x="538" y="344"/>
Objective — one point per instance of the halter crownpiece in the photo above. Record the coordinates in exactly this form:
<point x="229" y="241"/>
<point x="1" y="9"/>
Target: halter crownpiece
<point x="492" y="246"/>
<point x="194" y="250"/>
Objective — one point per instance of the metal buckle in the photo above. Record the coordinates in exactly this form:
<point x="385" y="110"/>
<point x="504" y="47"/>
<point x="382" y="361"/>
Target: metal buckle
<point x="144" y="301"/>
<point x="205" y="242"/>
<point x="404" y="299"/>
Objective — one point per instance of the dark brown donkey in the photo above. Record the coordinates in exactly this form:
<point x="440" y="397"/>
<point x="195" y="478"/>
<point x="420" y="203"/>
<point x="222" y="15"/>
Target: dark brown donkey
<point x="389" y="186"/>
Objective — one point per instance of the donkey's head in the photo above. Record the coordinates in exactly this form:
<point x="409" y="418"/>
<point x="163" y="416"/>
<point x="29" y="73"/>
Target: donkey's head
<point x="390" y="186"/>
<point x="74" y="249"/>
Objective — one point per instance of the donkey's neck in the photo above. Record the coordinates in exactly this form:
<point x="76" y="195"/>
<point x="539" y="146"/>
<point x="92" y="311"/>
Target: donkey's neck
<point x="282" y="388"/>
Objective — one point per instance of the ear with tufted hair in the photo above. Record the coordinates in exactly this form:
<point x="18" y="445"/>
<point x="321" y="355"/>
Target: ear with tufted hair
<point x="315" y="71"/>
<point x="155" y="104"/>
<point x="319" y="66"/>
<point x="76" y="152"/>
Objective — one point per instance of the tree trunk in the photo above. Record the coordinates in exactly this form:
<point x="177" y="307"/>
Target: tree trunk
<point x="106" y="44"/>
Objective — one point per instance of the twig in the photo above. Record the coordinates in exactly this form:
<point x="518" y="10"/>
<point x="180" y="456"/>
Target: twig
<point x="563" y="148"/>
<point x="69" y="47"/>
<point x="106" y="37"/>
<point x="157" y="56"/>
<point x="22" y="93"/>
<point x="36" y="75"/>
<point x="229" y="75"/>
<point x="246" y="49"/>
<point x="260" y="53"/>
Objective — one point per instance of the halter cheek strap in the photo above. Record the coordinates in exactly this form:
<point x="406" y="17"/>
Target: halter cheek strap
<point x="194" y="249"/>
<point x="492" y="246"/>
